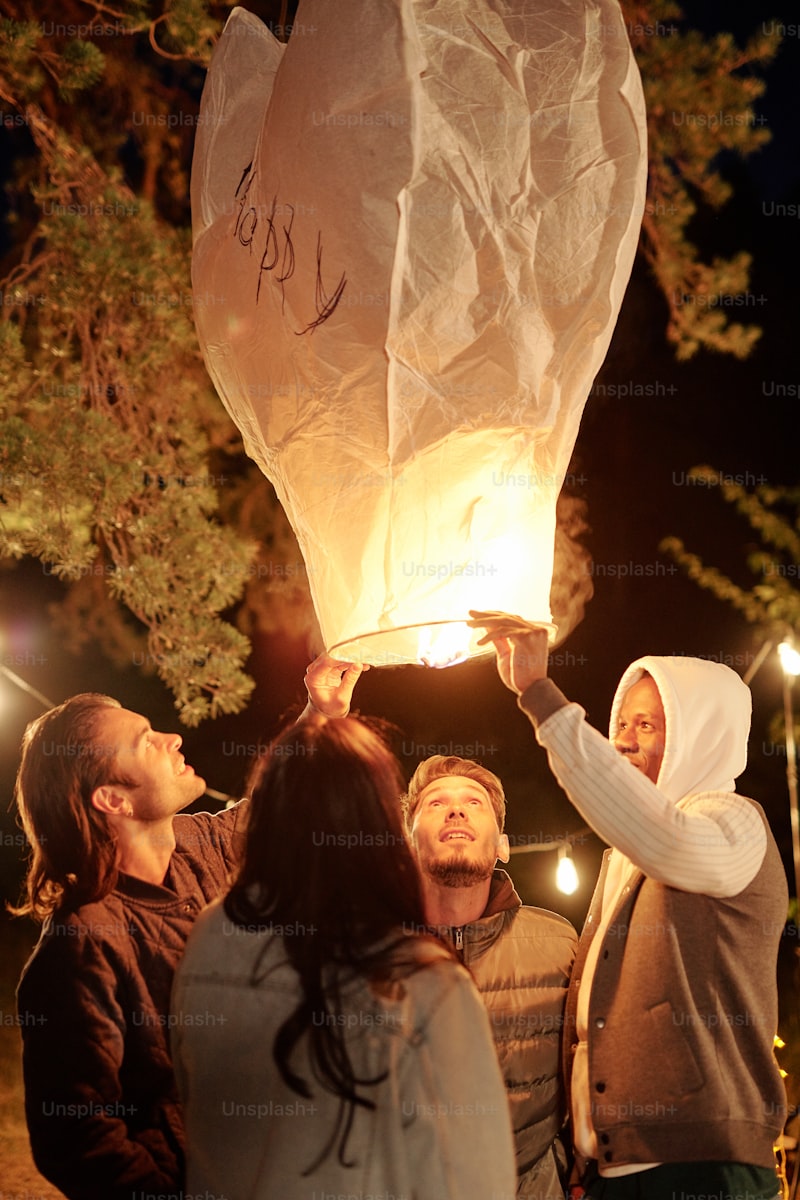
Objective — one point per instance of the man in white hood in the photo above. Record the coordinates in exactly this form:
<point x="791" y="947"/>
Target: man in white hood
<point x="673" y="1003"/>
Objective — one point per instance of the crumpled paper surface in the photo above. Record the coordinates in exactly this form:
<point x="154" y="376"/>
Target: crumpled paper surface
<point x="413" y="227"/>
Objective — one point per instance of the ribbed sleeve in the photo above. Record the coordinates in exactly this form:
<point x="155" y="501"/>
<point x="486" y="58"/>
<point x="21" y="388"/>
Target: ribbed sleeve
<point x="711" y="843"/>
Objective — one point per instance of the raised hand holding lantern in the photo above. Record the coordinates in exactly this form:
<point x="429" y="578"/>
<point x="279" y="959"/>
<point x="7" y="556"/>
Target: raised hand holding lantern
<point x="416" y="223"/>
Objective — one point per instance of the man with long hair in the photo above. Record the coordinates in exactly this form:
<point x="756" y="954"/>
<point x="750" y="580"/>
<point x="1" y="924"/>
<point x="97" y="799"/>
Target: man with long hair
<point x="352" y="1054"/>
<point x="117" y="877"/>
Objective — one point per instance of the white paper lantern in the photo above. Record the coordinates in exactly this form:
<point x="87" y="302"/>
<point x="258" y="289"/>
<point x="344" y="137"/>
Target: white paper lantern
<point x="413" y="227"/>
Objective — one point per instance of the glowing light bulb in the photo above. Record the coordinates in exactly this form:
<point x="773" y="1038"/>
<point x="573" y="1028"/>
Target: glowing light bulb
<point x="566" y="875"/>
<point x="790" y="659"/>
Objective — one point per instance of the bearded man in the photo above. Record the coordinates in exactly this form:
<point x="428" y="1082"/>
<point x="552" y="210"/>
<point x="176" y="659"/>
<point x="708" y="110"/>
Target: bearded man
<point x="520" y="957"/>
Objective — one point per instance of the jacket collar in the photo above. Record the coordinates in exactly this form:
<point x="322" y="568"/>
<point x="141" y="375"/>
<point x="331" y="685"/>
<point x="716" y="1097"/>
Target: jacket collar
<point x="479" y="935"/>
<point x="502" y="894"/>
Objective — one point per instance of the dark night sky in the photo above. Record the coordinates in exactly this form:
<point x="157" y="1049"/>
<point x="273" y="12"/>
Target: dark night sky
<point x="633" y="453"/>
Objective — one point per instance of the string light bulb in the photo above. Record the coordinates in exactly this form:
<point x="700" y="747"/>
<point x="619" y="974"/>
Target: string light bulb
<point x="566" y="874"/>
<point x="790" y="658"/>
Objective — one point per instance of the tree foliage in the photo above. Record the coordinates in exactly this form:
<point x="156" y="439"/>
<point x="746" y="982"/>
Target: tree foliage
<point x="105" y="464"/>
<point x="114" y="447"/>
<point x="772" y="604"/>
<point x="119" y="468"/>
<point x="699" y="95"/>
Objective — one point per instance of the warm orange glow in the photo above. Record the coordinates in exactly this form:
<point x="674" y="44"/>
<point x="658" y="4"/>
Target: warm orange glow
<point x="566" y="874"/>
<point x="444" y="646"/>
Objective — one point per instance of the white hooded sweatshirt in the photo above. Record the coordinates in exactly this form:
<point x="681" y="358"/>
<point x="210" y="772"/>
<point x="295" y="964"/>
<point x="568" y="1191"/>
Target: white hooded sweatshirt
<point x="689" y="831"/>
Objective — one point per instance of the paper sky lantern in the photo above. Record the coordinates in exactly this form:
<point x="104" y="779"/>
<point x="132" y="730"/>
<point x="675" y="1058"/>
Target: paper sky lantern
<point x="413" y="227"/>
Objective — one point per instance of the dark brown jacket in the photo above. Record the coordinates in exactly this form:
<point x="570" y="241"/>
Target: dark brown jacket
<point x="93" y="1007"/>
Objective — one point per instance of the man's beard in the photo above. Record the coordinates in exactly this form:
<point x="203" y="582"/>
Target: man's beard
<point x="457" y="872"/>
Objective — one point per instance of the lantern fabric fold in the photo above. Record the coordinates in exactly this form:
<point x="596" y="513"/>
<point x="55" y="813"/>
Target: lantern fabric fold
<point x="413" y="228"/>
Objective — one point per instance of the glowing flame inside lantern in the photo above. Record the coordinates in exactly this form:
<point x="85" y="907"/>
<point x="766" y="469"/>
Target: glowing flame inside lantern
<point x="444" y="646"/>
<point x="415" y="308"/>
<point x="440" y="644"/>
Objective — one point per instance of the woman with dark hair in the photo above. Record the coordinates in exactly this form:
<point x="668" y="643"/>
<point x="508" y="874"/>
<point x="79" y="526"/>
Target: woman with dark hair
<point x="323" y="1041"/>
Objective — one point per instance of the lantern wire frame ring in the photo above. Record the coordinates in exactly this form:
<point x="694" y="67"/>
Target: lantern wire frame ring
<point x="417" y="645"/>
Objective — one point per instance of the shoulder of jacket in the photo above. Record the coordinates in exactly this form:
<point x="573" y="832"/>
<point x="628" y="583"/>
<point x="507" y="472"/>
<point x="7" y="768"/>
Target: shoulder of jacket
<point x="544" y="922"/>
<point x="100" y="920"/>
<point x="77" y="940"/>
<point x="443" y="981"/>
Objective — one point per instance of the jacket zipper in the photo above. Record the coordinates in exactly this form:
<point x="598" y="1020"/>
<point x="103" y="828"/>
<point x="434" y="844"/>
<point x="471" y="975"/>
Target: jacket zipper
<point x="458" y="935"/>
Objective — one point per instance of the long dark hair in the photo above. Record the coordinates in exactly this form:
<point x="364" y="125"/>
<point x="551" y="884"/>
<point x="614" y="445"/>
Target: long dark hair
<point x="326" y="858"/>
<point x="74" y="856"/>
